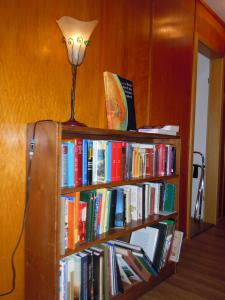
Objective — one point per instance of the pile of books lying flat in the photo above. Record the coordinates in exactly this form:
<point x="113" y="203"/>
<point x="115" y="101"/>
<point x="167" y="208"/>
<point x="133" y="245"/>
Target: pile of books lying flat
<point x="161" y="129"/>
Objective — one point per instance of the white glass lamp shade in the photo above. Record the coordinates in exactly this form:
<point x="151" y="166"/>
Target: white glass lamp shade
<point x="76" y="34"/>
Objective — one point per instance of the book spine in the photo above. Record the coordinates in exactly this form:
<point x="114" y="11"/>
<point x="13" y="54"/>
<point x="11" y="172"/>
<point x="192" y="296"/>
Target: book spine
<point x="90" y="162"/>
<point x="85" y="163"/>
<point x="108" y="164"/>
<point x="71" y="222"/>
<point x="119" y="214"/>
<point x="64" y="165"/>
<point x="78" y="161"/>
<point x="113" y="166"/>
<point x="82" y="222"/>
<point x="70" y="164"/>
<point x="95" y="162"/>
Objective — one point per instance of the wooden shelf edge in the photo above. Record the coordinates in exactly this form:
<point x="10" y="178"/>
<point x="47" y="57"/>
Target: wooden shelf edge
<point x="139" y="289"/>
<point x="65" y="191"/>
<point x="116" y="233"/>
<point x="116" y="133"/>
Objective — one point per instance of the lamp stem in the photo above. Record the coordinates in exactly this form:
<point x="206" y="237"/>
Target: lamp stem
<point x="73" y="90"/>
<point x="72" y="121"/>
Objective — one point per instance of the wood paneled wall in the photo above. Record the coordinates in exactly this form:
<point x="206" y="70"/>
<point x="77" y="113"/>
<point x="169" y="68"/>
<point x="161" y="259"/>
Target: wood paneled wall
<point x="171" y="76"/>
<point x="35" y="84"/>
<point x="210" y="29"/>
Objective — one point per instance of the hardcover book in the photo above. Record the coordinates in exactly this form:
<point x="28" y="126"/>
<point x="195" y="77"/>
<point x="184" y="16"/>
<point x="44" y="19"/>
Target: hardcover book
<point x="119" y="102"/>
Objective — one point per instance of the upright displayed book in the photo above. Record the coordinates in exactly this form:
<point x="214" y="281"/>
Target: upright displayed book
<point x="119" y="98"/>
<point x="77" y="233"/>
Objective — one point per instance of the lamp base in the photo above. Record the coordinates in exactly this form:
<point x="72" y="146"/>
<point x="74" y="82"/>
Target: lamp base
<point x="73" y="122"/>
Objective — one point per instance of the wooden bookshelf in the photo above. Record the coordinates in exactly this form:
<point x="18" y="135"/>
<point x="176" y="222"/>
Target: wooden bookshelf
<point x="42" y="246"/>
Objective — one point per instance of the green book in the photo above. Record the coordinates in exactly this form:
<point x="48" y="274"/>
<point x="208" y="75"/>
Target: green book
<point x="89" y="198"/>
<point x="169" y="197"/>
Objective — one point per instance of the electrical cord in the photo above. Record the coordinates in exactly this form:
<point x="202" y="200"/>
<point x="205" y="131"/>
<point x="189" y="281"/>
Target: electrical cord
<point x="31" y="153"/>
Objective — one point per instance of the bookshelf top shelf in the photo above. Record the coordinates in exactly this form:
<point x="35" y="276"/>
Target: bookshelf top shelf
<point x="71" y="131"/>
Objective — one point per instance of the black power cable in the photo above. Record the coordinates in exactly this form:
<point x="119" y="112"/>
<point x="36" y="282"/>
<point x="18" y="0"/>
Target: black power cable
<point x="31" y="152"/>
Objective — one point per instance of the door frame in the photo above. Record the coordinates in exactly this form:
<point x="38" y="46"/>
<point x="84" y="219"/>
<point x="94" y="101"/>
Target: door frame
<point x="213" y="169"/>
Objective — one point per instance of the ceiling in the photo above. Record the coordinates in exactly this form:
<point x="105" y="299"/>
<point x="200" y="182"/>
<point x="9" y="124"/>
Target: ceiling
<point x="218" y="6"/>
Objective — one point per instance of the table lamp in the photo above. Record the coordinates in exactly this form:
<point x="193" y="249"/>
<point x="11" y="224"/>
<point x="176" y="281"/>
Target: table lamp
<point x="76" y="34"/>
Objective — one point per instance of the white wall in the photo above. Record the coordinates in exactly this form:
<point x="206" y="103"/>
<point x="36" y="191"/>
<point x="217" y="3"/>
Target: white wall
<point x="201" y="114"/>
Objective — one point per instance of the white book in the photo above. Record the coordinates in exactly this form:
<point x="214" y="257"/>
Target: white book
<point x="176" y="246"/>
<point x="146" y="238"/>
<point x="70" y="278"/>
<point x="134" y="203"/>
<point x="139" y="202"/>
<point x="127" y="193"/>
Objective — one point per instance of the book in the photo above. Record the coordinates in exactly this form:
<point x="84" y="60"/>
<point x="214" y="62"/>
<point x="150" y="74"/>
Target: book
<point x="161" y="129"/>
<point x="147" y="239"/>
<point x="89" y="198"/>
<point x="73" y="203"/>
<point x="119" y="102"/>
<point x="90" y="162"/>
<point x="78" y="142"/>
<point x="82" y="220"/>
<point x="176" y="246"/>
<point x="64" y="165"/>
<point x="85" y="162"/>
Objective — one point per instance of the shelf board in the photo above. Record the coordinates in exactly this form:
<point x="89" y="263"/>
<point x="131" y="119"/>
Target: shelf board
<point x="116" y="233"/>
<point x="70" y="131"/>
<point x="66" y="191"/>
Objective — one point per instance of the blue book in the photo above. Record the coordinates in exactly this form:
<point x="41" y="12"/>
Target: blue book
<point x="84" y="275"/>
<point x="119" y="213"/>
<point x="64" y="165"/>
<point x="108" y="162"/>
<point x="70" y="164"/>
<point x="85" y="163"/>
<point x="90" y="162"/>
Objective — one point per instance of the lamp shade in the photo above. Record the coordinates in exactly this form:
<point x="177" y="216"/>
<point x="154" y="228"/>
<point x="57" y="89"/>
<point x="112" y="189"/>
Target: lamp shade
<point x="76" y="34"/>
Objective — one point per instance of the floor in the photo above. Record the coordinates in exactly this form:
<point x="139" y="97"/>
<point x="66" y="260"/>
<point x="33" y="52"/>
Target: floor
<point x="200" y="272"/>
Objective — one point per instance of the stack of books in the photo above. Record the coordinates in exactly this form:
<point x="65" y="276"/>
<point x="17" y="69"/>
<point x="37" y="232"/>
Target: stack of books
<point x="161" y="129"/>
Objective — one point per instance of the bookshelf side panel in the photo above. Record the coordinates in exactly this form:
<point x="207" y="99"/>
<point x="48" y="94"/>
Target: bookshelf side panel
<point x="42" y="226"/>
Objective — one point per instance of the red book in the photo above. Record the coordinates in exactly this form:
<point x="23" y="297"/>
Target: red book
<point x="161" y="156"/>
<point x="113" y="167"/>
<point x="78" y="142"/>
<point x="152" y="202"/>
<point x="82" y="221"/>
<point x="123" y="160"/>
<point x="149" y="154"/>
<point x="118" y="161"/>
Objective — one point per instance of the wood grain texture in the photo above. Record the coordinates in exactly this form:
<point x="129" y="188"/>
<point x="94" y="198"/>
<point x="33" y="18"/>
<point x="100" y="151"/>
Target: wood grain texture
<point x="171" y="75"/>
<point x="35" y="83"/>
<point x="210" y="28"/>
<point x="213" y="154"/>
<point x="200" y="272"/>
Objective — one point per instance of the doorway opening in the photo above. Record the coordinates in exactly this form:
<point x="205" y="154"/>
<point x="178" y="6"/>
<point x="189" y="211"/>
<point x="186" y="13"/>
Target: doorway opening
<point x="206" y="141"/>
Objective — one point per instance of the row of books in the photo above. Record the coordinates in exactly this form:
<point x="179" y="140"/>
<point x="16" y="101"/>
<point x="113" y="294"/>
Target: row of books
<point x="108" y="269"/>
<point x="87" y="214"/>
<point x="87" y="162"/>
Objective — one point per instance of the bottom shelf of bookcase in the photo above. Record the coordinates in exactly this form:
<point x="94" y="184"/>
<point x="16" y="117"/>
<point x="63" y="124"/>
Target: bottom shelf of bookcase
<point x="141" y="288"/>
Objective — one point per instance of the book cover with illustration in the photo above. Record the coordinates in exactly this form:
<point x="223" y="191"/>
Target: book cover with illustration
<point x="119" y="102"/>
